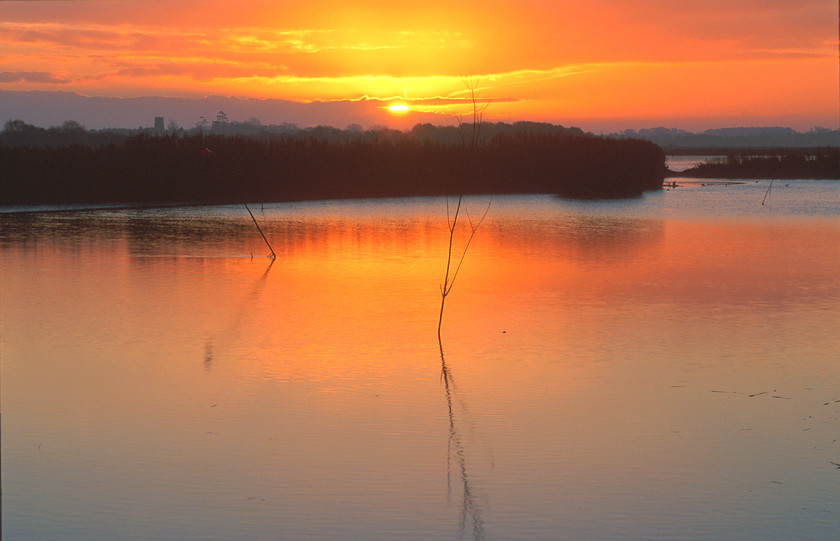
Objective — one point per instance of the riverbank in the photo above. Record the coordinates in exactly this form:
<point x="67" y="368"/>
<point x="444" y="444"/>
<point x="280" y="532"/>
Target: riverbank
<point x="216" y="169"/>
<point x="813" y="164"/>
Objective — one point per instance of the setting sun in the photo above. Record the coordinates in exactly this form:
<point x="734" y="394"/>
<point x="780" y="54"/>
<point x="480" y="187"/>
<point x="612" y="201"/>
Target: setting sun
<point x="398" y="108"/>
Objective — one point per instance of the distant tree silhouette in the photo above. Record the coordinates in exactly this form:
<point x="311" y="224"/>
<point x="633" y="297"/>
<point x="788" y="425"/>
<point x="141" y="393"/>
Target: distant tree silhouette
<point x="58" y="165"/>
<point x="820" y="163"/>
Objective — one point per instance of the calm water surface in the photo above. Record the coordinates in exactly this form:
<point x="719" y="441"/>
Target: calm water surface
<point x="662" y="368"/>
<point x="676" y="162"/>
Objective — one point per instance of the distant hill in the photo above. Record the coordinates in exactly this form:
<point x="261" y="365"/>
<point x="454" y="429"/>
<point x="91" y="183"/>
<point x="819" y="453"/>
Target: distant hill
<point x="673" y="140"/>
<point x="45" y="109"/>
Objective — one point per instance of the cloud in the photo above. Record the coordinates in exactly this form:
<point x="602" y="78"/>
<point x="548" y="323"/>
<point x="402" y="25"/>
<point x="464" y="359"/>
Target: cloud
<point x="31" y="77"/>
<point x="303" y="52"/>
<point x="533" y="57"/>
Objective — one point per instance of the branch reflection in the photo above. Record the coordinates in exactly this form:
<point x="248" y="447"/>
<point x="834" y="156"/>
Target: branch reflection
<point x="231" y="329"/>
<point x="471" y="512"/>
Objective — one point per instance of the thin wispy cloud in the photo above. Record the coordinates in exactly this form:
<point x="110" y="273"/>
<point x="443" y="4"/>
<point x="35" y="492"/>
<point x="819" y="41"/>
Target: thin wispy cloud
<point x="31" y="77"/>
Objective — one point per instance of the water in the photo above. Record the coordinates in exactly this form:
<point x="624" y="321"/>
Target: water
<point x="656" y="368"/>
<point x="677" y="162"/>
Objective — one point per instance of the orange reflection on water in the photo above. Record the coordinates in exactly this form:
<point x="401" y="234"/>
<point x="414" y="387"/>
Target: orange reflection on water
<point x="355" y="297"/>
<point x="598" y="367"/>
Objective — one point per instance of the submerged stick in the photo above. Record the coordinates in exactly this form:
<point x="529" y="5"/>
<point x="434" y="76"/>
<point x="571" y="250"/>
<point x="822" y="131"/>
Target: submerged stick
<point x="273" y="255"/>
<point x="448" y="282"/>
<point x="767" y="192"/>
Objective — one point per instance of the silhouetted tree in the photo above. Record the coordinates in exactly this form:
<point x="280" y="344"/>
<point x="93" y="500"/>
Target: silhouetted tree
<point x="44" y="166"/>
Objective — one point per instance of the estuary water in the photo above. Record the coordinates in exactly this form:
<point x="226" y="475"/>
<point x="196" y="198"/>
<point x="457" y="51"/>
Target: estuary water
<point x="660" y="368"/>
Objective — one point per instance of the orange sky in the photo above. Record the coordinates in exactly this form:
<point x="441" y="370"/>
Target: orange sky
<point x="637" y="63"/>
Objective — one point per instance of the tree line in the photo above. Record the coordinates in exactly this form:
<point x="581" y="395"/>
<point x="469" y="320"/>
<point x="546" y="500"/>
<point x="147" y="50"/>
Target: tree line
<point x="817" y="163"/>
<point x="716" y="141"/>
<point x="19" y="133"/>
<point x="210" y="168"/>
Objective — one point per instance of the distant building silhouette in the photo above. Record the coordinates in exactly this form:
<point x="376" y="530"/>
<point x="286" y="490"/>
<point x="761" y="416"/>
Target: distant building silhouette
<point x="159" y="129"/>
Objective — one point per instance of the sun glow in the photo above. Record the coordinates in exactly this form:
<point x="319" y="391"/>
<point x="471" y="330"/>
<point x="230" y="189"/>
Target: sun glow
<point x="398" y="108"/>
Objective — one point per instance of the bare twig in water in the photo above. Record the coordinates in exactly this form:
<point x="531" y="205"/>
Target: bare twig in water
<point x="470" y="510"/>
<point x="452" y="220"/>
<point x="767" y="192"/>
<point x="448" y="281"/>
<point x="273" y="255"/>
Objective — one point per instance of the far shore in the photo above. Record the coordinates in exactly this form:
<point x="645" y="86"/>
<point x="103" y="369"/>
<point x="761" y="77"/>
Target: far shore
<point x="790" y="164"/>
<point x="207" y="169"/>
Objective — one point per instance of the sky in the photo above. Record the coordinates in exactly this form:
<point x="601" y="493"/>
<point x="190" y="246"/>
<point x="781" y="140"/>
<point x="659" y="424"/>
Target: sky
<point x="603" y="65"/>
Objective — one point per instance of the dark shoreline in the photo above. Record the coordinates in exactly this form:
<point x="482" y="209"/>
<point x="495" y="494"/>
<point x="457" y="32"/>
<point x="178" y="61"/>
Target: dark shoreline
<point x="153" y="171"/>
<point x="791" y="164"/>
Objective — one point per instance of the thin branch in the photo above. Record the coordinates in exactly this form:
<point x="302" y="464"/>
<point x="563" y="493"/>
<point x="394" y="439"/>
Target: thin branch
<point x="448" y="282"/>
<point x="445" y="287"/>
<point x="473" y="229"/>
<point x="452" y="219"/>
<point x="273" y="255"/>
<point x="452" y="225"/>
<point x="767" y="192"/>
